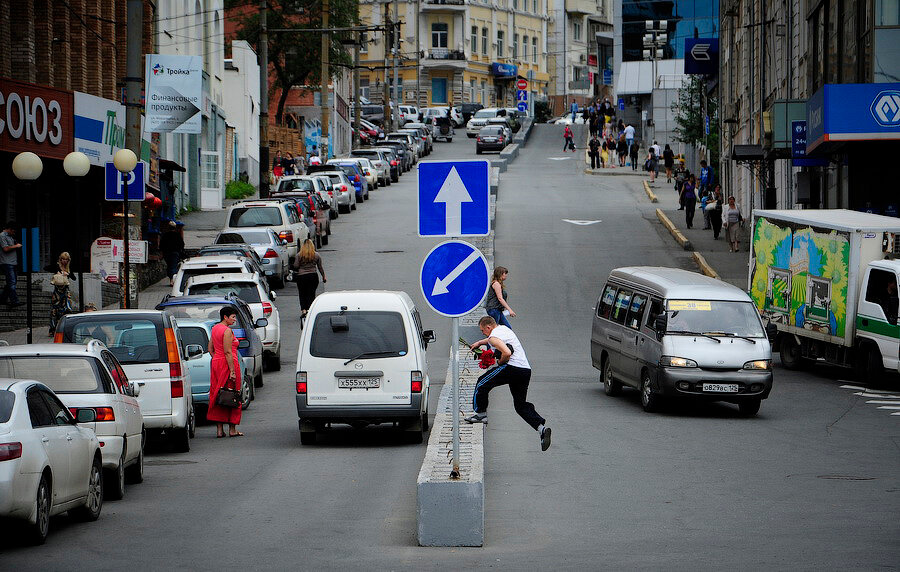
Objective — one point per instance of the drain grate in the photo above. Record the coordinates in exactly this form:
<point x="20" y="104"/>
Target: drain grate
<point x="845" y="478"/>
<point x="165" y="462"/>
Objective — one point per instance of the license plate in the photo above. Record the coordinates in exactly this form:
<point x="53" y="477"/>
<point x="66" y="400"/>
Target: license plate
<point x="721" y="387"/>
<point x="362" y="383"/>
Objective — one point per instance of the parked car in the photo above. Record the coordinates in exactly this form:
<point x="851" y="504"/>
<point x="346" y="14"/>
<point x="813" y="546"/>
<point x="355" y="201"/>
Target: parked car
<point x="373" y="128"/>
<point x="88" y="376"/>
<point x="480" y="119"/>
<point x="235" y="249"/>
<point x="49" y="464"/>
<point x="382" y="333"/>
<point x="490" y="138"/>
<point x="325" y="190"/>
<point x="418" y="136"/>
<point x="343" y="188"/>
<point x="408" y="113"/>
<point x="441" y="111"/>
<point x="401" y="149"/>
<point x="147" y="345"/>
<point x="273" y="213"/>
<point x="373" y="114"/>
<point x="263" y="243"/>
<point x="260" y="300"/>
<point x="427" y="131"/>
<point x="306" y="213"/>
<point x="354" y="170"/>
<point x="412" y="145"/>
<point x="198" y="333"/>
<point x="379" y="160"/>
<point x="197" y="266"/>
<point x="369" y="170"/>
<point x="468" y="110"/>
<point x="502" y="122"/>
<point x="245" y="329"/>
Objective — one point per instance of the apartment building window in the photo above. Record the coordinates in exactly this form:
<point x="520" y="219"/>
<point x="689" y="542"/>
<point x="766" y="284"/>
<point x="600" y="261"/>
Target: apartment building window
<point x="364" y="42"/>
<point x="500" y="43"/>
<point x="364" y="88"/>
<point x="474" y="47"/>
<point x="483" y="93"/>
<point x="576" y="31"/>
<point x="534" y="49"/>
<point x="525" y="48"/>
<point x="439" y="35"/>
<point x="484" y="41"/>
<point x="516" y="4"/>
<point x="515" y="47"/>
<point x="472" y="90"/>
<point x="534" y="6"/>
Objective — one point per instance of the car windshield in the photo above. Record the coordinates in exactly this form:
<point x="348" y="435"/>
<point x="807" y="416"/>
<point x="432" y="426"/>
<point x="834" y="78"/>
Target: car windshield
<point x="246" y="291"/>
<point x="245" y="237"/>
<point x="199" y="311"/>
<point x="335" y="178"/>
<point x="194" y="335"/>
<point x="294" y="185"/>
<point x="481" y="113"/>
<point x="360" y="153"/>
<point x="131" y="340"/>
<point x="714" y="317"/>
<point x="377" y="334"/>
<point x="490" y="131"/>
<point x="62" y="374"/>
<point x="7" y="400"/>
<point x="255" y="216"/>
<point x="189" y="273"/>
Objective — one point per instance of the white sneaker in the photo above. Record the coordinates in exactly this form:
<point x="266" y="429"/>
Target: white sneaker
<point x="476" y="418"/>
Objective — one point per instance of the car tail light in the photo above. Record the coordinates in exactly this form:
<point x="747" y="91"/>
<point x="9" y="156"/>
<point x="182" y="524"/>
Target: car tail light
<point x="478" y="139"/>
<point x="105" y="414"/>
<point x="394" y="163"/>
<point x="287" y="235"/>
<point x="10" y="451"/>
<point x="331" y="193"/>
<point x="343" y="188"/>
<point x="415" y="378"/>
<point x="356" y="178"/>
<point x="500" y="139"/>
<point x="177" y="385"/>
<point x="301" y="382"/>
<point x="58" y="338"/>
<point x="267" y="309"/>
<point x="174" y="364"/>
<point x="270" y="253"/>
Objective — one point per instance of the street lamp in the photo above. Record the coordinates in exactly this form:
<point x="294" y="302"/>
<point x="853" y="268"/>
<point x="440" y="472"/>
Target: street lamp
<point x="76" y="164"/>
<point x="27" y="167"/>
<point x="125" y="161"/>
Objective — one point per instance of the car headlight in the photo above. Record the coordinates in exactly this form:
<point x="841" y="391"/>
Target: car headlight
<point x="763" y="364"/>
<point x="673" y="361"/>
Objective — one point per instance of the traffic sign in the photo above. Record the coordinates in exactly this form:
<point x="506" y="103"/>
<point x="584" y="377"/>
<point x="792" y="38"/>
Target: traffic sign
<point x="454" y="278"/>
<point x="521" y="95"/>
<point x="521" y="84"/>
<point x="454" y="197"/>
<point x="522" y="106"/>
<point x="621" y="104"/>
<point x="114" y="183"/>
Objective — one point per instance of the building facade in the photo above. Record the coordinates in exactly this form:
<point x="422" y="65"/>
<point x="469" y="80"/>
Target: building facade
<point x="459" y="51"/>
<point x="577" y="27"/>
<point x="241" y="104"/>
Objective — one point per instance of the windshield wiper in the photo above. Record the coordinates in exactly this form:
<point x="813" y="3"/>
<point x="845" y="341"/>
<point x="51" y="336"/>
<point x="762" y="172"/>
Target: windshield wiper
<point x="730" y="335"/>
<point x="369" y="354"/>
<point x="687" y="333"/>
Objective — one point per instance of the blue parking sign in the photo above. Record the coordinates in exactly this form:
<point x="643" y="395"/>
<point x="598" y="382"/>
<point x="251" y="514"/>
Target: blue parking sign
<point x="114" y="187"/>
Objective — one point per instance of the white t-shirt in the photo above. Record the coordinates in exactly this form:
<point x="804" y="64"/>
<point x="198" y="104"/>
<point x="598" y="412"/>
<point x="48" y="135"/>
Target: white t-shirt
<point x="655" y="148"/>
<point x="518" y="358"/>
<point x="629" y="132"/>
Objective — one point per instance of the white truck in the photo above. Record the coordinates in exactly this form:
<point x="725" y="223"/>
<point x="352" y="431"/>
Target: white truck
<point x="826" y="280"/>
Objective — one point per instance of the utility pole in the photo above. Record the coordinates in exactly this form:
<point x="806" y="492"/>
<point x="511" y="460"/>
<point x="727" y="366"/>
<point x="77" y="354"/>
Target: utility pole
<point x="134" y="84"/>
<point x="263" y="102"/>
<point x="396" y="116"/>
<point x="357" y="110"/>
<point x="388" y="42"/>
<point x="326" y="44"/>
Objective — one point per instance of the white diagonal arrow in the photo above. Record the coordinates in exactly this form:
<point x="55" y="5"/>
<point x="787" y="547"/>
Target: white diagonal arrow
<point x="453" y="194"/>
<point x="440" y="285"/>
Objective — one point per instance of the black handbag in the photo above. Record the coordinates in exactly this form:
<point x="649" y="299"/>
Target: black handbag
<point x="228" y="397"/>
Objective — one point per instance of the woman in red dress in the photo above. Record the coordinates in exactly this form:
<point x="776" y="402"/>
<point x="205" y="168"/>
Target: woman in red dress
<point x="224" y="372"/>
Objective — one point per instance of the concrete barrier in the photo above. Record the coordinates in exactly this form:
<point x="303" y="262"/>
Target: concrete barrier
<point x="510" y="152"/>
<point x="650" y="194"/>
<point x="499" y="164"/>
<point x="673" y="230"/>
<point x="495" y="180"/>
<point x="704" y="266"/>
<point x="525" y="132"/>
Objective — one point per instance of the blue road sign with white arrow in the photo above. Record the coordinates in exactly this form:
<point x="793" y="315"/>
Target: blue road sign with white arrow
<point x="454" y="198"/>
<point x="454" y="278"/>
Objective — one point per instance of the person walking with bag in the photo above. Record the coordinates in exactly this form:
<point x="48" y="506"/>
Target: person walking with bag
<point x="568" y="139"/>
<point x="689" y="198"/>
<point x="512" y="369"/>
<point x="669" y="161"/>
<point x="734" y="220"/>
<point x="652" y="164"/>
<point x="224" y="373"/>
<point x="715" y="212"/>
<point x="633" y="150"/>
<point x="61" y="298"/>
<point x="307" y="267"/>
<point x="496" y="305"/>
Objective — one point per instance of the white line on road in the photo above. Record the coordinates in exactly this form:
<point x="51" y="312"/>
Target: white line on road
<point x="858" y="388"/>
<point x="889" y="407"/>
<point x="881" y="402"/>
<point x="878" y="395"/>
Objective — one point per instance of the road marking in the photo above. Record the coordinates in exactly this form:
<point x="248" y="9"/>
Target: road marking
<point x="889" y="407"/>
<point x="878" y="395"/>
<point x="440" y="284"/>
<point x="881" y="402"/>
<point x="858" y="388"/>
<point x="582" y="222"/>
<point x="559" y="158"/>
<point x="453" y="194"/>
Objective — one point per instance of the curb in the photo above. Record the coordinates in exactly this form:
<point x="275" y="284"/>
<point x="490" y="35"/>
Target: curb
<point x="673" y="230"/>
<point x="650" y="193"/>
<point x="705" y="268"/>
<point x="612" y="172"/>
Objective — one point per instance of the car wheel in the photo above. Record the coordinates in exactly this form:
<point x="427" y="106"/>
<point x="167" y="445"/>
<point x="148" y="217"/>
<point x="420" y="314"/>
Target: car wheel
<point x="353" y="207"/>
<point x="93" y="504"/>
<point x="649" y="398"/>
<point x="135" y="473"/>
<point x="791" y="357"/>
<point x="449" y="139"/>
<point x="37" y="532"/>
<point x="278" y="282"/>
<point x="344" y="209"/>
<point x="869" y="365"/>
<point x="258" y="381"/>
<point x="245" y="393"/>
<point x="115" y="480"/>
<point x="749" y="408"/>
<point x="307" y="437"/>
<point x="477" y="151"/>
<point x="425" y="425"/>
<point x="192" y="423"/>
<point x="276" y="361"/>
<point x="180" y="439"/>
<point x="610" y="385"/>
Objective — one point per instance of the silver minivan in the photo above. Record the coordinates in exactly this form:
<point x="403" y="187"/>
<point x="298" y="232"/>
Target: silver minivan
<point x="673" y="333"/>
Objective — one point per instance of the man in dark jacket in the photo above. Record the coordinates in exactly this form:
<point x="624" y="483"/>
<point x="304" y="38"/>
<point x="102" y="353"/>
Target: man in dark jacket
<point x="171" y="244"/>
<point x="594" y="151"/>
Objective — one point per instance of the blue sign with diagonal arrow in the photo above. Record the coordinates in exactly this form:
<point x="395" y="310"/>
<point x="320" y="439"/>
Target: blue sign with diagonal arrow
<point x="454" y="278"/>
<point x="454" y="198"/>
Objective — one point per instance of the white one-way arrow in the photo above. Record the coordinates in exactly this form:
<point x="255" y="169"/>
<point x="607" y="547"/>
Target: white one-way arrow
<point x="453" y="194"/>
<point x="440" y="285"/>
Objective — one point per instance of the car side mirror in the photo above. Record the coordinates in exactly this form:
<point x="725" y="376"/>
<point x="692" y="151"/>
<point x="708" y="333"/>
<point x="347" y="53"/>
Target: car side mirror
<point x="86" y="415"/>
<point x="428" y="336"/>
<point x="272" y="296"/>
<point x="135" y="388"/>
<point x="243" y="344"/>
<point x="660" y="324"/>
<point x="192" y="351"/>
<point x="283" y="242"/>
<point x="261" y="323"/>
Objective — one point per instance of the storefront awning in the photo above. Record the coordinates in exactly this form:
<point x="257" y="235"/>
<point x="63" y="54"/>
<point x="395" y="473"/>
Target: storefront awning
<point x="504" y="71"/>
<point x="170" y="165"/>
<point x="841" y="113"/>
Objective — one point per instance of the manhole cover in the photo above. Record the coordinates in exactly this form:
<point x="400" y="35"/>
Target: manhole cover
<point x="163" y="462"/>
<point x="388" y="252"/>
<point x="845" y="478"/>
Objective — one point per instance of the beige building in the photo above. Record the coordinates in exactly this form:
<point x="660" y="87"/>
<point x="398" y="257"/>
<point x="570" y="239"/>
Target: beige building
<point x="576" y="67"/>
<point x="459" y="51"/>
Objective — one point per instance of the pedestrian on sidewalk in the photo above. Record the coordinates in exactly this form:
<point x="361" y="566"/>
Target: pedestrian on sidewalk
<point x="307" y="267"/>
<point x="61" y="298"/>
<point x="689" y="197"/>
<point x="658" y="152"/>
<point x="224" y="372"/>
<point x="704" y="202"/>
<point x="171" y="244"/>
<point x="715" y="212"/>
<point x="669" y="161"/>
<point x="622" y="150"/>
<point x="629" y="135"/>
<point x="633" y="149"/>
<point x="277" y="168"/>
<point x="706" y="176"/>
<point x="594" y="151"/>
<point x="496" y="305"/>
<point x="652" y="164"/>
<point x="681" y="176"/>
<point x="512" y="369"/>
<point x="568" y="139"/>
<point x="734" y="220"/>
<point x="9" y="264"/>
<point x="574" y="109"/>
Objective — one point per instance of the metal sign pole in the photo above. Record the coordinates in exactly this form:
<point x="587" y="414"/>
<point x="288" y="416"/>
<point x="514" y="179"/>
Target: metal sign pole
<point x="454" y="364"/>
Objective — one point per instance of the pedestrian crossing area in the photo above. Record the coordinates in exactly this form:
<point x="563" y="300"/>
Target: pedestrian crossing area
<point x="887" y="401"/>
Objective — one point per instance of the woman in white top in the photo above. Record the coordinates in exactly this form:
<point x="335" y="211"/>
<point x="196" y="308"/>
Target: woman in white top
<point x="733" y="220"/>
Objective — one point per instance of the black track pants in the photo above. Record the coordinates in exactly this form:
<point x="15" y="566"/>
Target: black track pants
<point x="517" y="378"/>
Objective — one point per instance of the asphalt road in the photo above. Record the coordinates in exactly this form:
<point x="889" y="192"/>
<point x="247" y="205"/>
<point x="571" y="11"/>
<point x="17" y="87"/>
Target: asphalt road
<point x="810" y="483"/>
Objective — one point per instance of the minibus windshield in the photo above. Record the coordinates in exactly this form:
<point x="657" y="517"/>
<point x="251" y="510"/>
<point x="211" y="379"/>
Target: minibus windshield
<point x="713" y="317"/>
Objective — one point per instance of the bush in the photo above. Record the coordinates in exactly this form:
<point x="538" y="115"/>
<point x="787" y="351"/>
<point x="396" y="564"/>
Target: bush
<point x="238" y="190"/>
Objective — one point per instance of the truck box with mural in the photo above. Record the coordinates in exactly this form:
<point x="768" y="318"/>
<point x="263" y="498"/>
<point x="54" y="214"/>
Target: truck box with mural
<point x="827" y="281"/>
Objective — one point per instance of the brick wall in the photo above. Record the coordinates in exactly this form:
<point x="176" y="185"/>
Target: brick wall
<point x="78" y="61"/>
<point x="21" y="37"/>
<point x="5" y="47"/>
<point x="62" y="71"/>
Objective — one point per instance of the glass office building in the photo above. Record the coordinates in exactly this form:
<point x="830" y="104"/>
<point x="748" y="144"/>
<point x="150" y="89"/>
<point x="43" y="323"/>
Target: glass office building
<point x="685" y="19"/>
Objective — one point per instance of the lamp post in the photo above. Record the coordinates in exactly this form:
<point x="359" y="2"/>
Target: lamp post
<point x="27" y="167"/>
<point x="76" y="164"/>
<point x="125" y="161"/>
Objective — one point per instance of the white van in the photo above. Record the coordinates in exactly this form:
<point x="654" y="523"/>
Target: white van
<point x="362" y="361"/>
<point x="673" y="333"/>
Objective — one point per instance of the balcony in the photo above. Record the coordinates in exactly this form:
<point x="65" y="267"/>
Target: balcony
<point x="444" y="58"/>
<point x="443" y="6"/>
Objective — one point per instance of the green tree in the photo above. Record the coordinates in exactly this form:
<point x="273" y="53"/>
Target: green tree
<point x="690" y="120"/>
<point x="295" y="57"/>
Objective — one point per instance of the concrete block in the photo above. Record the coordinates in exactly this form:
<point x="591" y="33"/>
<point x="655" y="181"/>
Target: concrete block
<point x="495" y="180"/>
